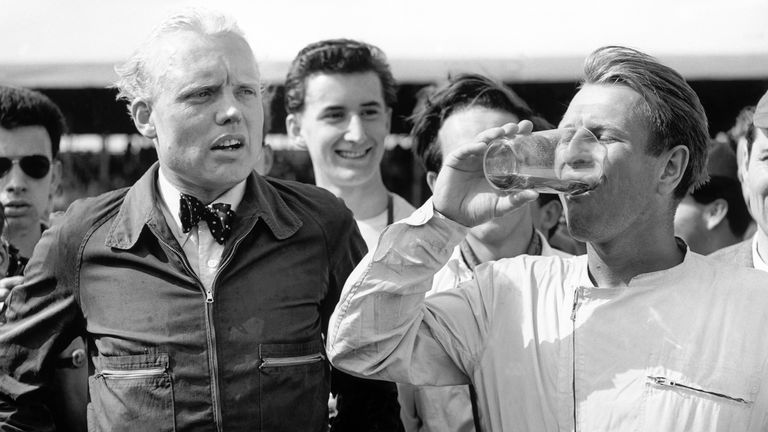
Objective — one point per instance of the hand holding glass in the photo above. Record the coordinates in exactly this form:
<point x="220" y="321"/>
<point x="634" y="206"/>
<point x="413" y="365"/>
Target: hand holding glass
<point x="565" y="160"/>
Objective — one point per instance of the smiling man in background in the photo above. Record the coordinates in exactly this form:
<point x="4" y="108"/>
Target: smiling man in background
<point x="339" y="96"/>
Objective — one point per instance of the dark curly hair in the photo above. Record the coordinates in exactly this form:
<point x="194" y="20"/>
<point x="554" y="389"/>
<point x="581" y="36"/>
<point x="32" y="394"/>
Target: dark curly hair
<point x="24" y="107"/>
<point x="344" y="56"/>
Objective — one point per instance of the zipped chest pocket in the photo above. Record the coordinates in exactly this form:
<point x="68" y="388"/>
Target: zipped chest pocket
<point x="269" y="362"/>
<point x="666" y="382"/>
<point x="293" y="375"/>
<point x="722" y="401"/>
<point x="127" y="374"/>
<point x="133" y="392"/>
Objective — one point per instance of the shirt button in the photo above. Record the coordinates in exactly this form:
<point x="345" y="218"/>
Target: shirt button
<point x="213" y="263"/>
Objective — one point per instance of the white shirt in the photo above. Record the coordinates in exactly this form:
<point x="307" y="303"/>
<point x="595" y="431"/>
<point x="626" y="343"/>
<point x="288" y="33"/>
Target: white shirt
<point x="682" y="349"/>
<point x="371" y="228"/>
<point x="757" y="260"/>
<point x="202" y="251"/>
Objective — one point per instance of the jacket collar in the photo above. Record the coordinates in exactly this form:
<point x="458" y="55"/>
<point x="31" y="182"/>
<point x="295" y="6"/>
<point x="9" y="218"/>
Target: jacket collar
<point x="141" y="207"/>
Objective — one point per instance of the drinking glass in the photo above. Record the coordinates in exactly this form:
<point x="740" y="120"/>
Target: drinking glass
<point x="565" y="160"/>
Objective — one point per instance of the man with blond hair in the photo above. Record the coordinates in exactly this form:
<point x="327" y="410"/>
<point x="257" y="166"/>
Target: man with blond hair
<point x="203" y="290"/>
<point x="638" y="334"/>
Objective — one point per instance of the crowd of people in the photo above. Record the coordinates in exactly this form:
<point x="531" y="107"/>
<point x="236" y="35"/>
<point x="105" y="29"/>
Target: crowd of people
<point x="210" y="296"/>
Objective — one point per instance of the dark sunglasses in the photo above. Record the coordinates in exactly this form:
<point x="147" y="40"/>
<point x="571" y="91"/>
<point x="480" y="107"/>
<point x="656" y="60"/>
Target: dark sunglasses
<point x="35" y="166"/>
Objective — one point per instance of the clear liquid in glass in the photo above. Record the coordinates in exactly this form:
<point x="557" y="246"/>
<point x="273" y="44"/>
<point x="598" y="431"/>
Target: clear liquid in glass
<point x="510" y="182"/>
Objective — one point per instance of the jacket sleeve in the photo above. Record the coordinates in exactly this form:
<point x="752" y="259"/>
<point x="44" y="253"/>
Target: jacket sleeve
<point x="383" y="328"/>
<point x="362" y="404"/>
<point x="42" y="317"/>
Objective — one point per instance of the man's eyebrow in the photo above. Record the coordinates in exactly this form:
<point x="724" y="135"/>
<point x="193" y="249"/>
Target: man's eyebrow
<point x="376" y="104"/>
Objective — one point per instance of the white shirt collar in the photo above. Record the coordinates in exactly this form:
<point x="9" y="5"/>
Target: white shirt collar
<point x="757" y="260"/>
<point x="171" y="196"/>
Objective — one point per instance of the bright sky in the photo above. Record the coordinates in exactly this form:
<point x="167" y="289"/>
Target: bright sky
<point x="506" y="38"/>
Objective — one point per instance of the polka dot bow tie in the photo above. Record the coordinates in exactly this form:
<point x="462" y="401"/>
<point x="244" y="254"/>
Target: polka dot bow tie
<point x="218" y="217"/>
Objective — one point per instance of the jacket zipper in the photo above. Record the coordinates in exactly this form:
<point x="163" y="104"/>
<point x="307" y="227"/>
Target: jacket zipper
<point x="290" y="361"/>
<point x="574" y="309"/>
<point x="666" y="382"/>
<point x="132" y="373"/>
<point x="213" y="356"/>
<point x="211" y="338"/>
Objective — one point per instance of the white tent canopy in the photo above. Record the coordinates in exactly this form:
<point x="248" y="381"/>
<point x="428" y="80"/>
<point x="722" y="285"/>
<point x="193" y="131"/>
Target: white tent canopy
<point x="76" y="43"/>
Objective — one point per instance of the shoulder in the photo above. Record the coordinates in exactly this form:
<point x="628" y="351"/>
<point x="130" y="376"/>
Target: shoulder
<point x="532" y="271"/>
<point x="739" y="253"/>
<point x="312" y="203"/>
<point x="304" y="196"/>
<point x="86" y="213"/>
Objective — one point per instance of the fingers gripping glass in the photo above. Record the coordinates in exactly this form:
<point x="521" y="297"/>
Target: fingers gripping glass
<point x="565" y="160"/>
<point x="35" y="166"/>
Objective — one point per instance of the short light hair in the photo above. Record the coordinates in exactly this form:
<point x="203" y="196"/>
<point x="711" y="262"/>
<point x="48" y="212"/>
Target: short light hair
<point x="673" y="110"/>
<point x="135" y="79"/>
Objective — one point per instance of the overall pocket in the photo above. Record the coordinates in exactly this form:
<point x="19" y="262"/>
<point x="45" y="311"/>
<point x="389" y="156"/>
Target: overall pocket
<point x="130" y="393"/>
<point x="674" y="401"/>
<point x="294" y="387"/>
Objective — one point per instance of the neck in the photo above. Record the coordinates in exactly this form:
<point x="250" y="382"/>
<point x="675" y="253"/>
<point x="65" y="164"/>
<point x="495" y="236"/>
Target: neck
<point x="614" y="263"/>
<point x="494" y="247"/>
<point x="365" y="201"/>
<point x="25" y="240"/>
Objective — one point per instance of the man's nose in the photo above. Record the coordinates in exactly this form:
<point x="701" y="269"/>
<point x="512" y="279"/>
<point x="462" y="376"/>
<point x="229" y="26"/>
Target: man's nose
<point x="229" y="110"/>
<point x="15" y="180"/>
<point x="355" y="130"/>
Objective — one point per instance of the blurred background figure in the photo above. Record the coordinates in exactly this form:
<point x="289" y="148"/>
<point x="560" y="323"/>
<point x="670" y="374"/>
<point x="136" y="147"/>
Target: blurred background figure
<point x="339" y="96"/>
<point x="447" y="118"/>
<point x="753" y="172"/>
<point x="31" y="126"/>
<point x="714" y="215"/>
<point x="267" y="157"/>
<point x="548" y="218"/>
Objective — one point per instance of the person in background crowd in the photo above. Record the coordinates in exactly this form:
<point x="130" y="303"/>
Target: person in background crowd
<point x="31" y="126"/>
<point x="638" y="334"/>
<point x="30" y="130"/>
<point x="714" y="215"/>
<point x="339" y="96"/>
<point x="548" y="218"/>
<point x="4" y="255"/>
<point x="204" y="290"/>
<point x="753" y="173"/>
<point x="465" y="106"/>
<point x="264" y="163"/>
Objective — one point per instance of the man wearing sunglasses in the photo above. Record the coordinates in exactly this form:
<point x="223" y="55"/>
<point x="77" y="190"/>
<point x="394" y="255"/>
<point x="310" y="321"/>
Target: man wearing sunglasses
<point x="30" y="129"/>
<point x="31" y="126"/>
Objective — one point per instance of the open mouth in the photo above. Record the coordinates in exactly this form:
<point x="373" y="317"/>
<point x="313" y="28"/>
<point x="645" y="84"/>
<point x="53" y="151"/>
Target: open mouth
<point x="346" y="154"/>
<point x="228" y="144"/>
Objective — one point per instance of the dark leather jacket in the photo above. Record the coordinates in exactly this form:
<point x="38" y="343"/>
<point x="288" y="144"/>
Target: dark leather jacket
<point x="162" y="358"/>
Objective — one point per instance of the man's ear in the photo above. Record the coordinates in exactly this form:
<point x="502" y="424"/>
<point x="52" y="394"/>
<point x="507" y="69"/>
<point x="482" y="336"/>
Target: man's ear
<point x="141" y="112"/>
<point x="389" y="119"/>
<point x="674" y="169"/>
<point x="549" y="215"/>
<point x="431" y="177"/>
<point x="56" y="173"/>
<point x="293" y="128"/>
<point x="715" y="213"/>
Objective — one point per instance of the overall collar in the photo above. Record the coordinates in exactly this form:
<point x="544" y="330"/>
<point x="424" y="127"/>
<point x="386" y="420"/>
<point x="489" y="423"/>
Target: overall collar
<point x="142" y="208"/>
